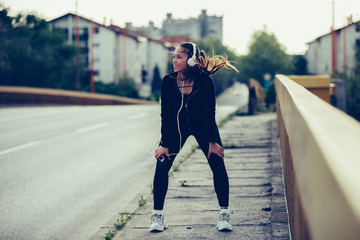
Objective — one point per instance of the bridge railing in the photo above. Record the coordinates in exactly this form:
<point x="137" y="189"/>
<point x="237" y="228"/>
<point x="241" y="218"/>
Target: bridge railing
<point x="320" y="147"/>
<point x="37" y="96"/>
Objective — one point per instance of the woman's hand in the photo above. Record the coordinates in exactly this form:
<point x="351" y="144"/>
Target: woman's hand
<point x="217" y="149"/>
<point x="160" y="151"/>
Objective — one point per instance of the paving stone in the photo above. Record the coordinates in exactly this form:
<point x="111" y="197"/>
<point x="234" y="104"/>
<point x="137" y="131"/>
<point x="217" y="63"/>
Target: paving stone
<point x="257" y="199"/>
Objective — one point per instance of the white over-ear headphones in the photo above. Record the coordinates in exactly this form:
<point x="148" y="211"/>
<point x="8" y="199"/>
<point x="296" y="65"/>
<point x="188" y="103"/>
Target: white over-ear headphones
<point x="191" y="61"/>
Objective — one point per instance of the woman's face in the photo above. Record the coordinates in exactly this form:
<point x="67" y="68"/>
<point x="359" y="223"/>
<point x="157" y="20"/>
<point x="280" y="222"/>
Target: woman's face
<point x="180" y="59"/>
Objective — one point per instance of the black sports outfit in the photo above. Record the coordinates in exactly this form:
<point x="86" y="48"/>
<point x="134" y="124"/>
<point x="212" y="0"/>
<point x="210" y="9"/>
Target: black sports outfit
<point x="196" y="117"/>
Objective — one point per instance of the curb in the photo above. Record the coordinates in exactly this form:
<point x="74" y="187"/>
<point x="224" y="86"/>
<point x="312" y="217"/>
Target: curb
<point x="133" y="205"/>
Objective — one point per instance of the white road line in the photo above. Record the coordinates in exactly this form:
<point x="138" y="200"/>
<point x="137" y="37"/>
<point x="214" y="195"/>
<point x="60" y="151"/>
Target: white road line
<point x="30" y="144"/>
<point x="137" y="116"/>
<point x="93" y="127"/>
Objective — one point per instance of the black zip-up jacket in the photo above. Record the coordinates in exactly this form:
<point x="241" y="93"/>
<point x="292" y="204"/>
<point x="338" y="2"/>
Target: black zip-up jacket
<point x="200" y="107"/>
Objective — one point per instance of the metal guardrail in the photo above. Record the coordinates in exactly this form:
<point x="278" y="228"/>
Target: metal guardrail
<point x="29" y="95"/>
<point x="321" y="163"/>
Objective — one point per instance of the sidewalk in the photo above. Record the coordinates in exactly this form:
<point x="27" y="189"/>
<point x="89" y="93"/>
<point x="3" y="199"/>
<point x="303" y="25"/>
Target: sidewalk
<point x="256" y="190"/>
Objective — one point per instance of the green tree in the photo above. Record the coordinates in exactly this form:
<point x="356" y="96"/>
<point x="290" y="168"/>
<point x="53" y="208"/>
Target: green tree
<point x="266" y="55"/>
<point x="353" y="97"/>
<point x="5" y="32"/>
<point x="156" y="84"/>
<point x="126" y="87"/>
<point x="353" y="87"/>
<point x="300" y="65"/>
<point x="32" y="55"/>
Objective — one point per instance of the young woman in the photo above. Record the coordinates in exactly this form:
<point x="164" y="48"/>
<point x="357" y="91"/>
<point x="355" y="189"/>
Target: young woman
<point x="188" y="108"/>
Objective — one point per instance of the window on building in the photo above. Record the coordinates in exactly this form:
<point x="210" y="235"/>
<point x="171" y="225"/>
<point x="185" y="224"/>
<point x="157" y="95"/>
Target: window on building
<point x="84" y="60"/>
<point x="65" y="30"/>
<point x="84" y="50"/>
<point x="357" y="26"/>
<point x="83" y="34"/>
<point x="96" y="30"/>
<point x="96" y="73"/>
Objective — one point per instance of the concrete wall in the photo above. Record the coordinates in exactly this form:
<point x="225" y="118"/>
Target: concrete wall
<point x="158" y="56"/>
<point x="129" y="61"/>
<point x="347" y="35"/>
<point x="144" y="52"/>
<point x="104" y="55"/>
<point x="311" y="57"/>
<point x="321" y="162"/>
<point x="318" y="85"/>
<point x="215" y="27"/>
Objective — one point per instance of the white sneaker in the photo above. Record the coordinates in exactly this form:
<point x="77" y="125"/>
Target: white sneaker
<point x="158" y="223"/>
<point x="224" y="222"/>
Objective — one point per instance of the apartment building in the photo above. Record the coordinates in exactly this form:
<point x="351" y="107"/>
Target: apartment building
<point x="114" y="51"/>
<point x="192" y="28"/>
<point x="334" y="52"/>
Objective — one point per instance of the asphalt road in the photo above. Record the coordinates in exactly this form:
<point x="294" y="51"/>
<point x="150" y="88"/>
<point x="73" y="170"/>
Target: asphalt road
<point x="64" y="171"/>
<point x="237" y="95"/>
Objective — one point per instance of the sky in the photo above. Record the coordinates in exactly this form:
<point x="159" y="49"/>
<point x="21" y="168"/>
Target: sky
<point x="293" y="22"/>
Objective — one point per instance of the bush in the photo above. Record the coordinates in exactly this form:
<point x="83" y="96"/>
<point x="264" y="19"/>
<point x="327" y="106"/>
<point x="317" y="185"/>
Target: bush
<point x="126" y="88"/>
<point x="270" y="94"/>
<point x="33" y="55"/>
<point x="353" y="97"/>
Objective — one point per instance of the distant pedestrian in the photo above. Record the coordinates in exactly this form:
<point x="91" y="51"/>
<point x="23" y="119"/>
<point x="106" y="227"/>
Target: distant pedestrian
<point x="188" y="108"/>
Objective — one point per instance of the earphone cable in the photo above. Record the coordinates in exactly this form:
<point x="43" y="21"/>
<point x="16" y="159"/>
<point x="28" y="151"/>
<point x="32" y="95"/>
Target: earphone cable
<point x="178" y="116"/>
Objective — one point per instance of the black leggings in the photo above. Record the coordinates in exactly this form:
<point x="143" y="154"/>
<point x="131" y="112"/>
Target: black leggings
<point x="220" y="177"/>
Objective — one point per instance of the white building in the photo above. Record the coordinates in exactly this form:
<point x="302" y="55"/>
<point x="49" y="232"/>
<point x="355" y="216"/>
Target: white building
<point x="321" y="55"/>
<point x="181" y="27"/>
<point x="115" y="51"/>
<point x="192" y="28"/>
